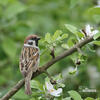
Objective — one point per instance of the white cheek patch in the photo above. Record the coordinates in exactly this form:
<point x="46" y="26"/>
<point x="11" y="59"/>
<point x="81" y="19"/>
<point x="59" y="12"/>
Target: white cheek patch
<point x="33" y="46"/>
<point x="30" y="40"/>
<point x="34" y="43"/>
<point x="26" y="45"/>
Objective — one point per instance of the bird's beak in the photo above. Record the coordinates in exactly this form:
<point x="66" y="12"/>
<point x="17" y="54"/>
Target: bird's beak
<point x="38" y="38"/>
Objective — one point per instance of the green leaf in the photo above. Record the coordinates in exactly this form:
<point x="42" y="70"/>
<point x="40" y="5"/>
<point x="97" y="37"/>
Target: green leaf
<point x="57" y="35"/>
<point x="9" y="47"/>
<point x="36" y="85"/>
<point x="47" y="79"/>
<point x="96" y="36"/>
<point x="58" y="77"/>
<point x="96" y="43"/>
<point x="73" y="71"/>
<point x="89" y="98"/>
<point x="14" y="9"/>
<point x="64" y="36"/>
<point x="68" y="98"/>
<point x="65" y="46"/>
<point x="71" y="28"/>
<point x="61" y="85"/>
<point x="90" y="48"/>
<point x="58" y="98"/>
<point x="48" y="37"/>
<point x="94" y="11"/>
<point x="20" y="95"/>
<point x="75" y="95"/>
<point x="80" y="35"/>
<point x="70" y="42"/>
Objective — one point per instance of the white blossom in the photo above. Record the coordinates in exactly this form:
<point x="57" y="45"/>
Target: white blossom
<point x="89" y="31"/>
<point x="53" y="91"/>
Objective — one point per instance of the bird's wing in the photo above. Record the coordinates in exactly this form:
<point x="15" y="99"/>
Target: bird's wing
<point x="28" y="60"/>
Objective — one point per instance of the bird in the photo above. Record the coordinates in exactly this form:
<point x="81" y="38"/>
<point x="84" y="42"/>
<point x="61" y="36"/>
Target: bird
<point x="29" y="60"/>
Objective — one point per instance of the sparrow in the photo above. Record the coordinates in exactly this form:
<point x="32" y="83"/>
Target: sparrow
<point x="29" y="60"/>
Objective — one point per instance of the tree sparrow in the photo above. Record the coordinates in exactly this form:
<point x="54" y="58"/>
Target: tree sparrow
<point x="29" y="60"/>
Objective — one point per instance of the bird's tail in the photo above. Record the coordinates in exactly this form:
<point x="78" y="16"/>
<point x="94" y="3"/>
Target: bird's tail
<point x="27" y="86"/>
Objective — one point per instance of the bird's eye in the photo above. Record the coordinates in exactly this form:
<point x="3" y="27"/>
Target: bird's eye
<point x="33" y="38"/>
<point x="30" y="43"/>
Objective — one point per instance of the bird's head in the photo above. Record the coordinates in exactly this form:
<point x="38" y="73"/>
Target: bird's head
<point x="32" y="40"/>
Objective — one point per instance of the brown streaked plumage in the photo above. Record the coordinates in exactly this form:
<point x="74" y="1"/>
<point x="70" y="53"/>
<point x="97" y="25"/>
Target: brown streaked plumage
<point x="29" y="60"/>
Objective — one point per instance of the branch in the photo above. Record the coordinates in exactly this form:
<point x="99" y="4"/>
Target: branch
<point x="46" y="66"/>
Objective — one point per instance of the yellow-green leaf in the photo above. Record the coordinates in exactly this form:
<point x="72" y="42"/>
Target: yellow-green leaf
<point x="71" y="28"/>
<point x="96" y="36"/>
<point x="89" y="98"/>
<point x="57" y="35"/>
<point x="75" y="95"/>
<point x="48" y="37"/>
<point x="96" y="43"/>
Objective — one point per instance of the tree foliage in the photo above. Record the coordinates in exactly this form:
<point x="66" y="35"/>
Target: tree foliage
<point x="58" y="22"/>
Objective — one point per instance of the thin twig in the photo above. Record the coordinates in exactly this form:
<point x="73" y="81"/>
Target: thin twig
<point x="52" y="53"/>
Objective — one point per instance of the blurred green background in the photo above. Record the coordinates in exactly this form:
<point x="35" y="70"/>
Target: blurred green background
<point x="19" y="18"/>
